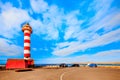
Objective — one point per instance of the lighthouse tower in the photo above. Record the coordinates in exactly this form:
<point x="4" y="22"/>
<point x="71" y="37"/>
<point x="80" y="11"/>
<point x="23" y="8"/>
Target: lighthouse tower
<point x="27" y="32"/>
<point x="27" y="61"/>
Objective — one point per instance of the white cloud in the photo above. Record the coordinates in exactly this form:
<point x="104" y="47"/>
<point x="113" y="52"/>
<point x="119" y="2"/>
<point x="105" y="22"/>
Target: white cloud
<point x="101" y="11"/>
<point x="108" y="22"/>
<point x="108" y="38"/>
<point x="20" y="3"/>
<point x="8" y="48"/>
<point x="34" y="49"/>
<point x="48" y="30"/>
<point x="39" y="6"/>
<point x="73" y="25"/>
<point x="43" y="49"/>
<point x="108" y="53"/>
<point x="11" y="19"/>
<point x="52" y="20"/>
<point x="37" y="26"/>
<point x="106" y="18"/>
<point x="104" y="56"/>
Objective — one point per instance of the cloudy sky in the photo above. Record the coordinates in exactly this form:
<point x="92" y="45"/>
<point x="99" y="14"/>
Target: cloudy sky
<point x="64" y="31"/>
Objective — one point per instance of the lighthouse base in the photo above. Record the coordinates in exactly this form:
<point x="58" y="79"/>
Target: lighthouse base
<point x="30" y="63"/>
<point x="19" y="63"/>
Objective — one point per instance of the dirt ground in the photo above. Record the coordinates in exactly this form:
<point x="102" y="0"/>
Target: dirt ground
<point x="78" y="73"/>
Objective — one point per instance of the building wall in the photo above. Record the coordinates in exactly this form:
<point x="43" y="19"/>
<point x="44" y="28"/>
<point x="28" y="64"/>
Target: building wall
<point x="16" y="63"/>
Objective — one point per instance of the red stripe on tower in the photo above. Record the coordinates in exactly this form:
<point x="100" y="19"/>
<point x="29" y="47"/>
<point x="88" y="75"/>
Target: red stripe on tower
<point x="27" y="55"/>
<point x="26" y="41"/>
<point x="27" y="34"/>
<point x="26" y="48"/>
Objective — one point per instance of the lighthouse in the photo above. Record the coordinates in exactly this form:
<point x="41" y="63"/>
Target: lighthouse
<point x="25" y="62"/>
<point x="27" y="32"/>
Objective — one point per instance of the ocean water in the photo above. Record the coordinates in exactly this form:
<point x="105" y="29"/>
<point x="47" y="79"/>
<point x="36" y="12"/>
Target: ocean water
<point x="69" y="65"/>
<point x="108" y="64"/>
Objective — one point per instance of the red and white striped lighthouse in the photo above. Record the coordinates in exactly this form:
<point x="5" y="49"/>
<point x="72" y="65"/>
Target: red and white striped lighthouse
<point x="27" y="61"/>
<point x="27" y="32"/>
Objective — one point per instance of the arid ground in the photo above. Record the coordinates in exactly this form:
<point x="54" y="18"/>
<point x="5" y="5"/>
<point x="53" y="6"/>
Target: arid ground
<point x="78" y="73"/>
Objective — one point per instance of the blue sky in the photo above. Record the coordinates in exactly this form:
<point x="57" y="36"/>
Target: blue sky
<point x="64" y="31"/>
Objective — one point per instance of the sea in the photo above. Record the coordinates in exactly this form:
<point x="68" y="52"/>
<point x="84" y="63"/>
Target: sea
<point x="69" y="65"/>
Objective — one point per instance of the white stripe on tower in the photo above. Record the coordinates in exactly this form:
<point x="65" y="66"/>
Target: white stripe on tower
<point x="26" y="51"/>
<point x="26" y="31"/>
<point x="27" y="58"/>
<point x="26" y="44"/>
<point x="26" y="37"/>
